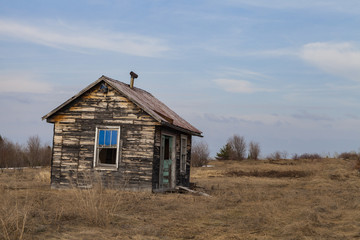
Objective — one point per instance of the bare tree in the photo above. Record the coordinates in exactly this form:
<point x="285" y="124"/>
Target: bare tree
<point x="11" y="155"/>
<point x="33" y="150"/>
<point x="2" y="152"/>
<point x="238" y="147"/>
<point x="45" y="155"/>
<point x="16" y="155"/>
<point x="254" y="150"/>
<point x="199" y="154"/>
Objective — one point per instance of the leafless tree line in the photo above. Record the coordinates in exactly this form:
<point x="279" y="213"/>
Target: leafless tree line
<point x="236" y="149"/>
<point x="33" y="153"/>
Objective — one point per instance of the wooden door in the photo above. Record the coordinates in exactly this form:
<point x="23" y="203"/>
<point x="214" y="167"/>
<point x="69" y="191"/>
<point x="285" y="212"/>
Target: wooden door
<point x="166" y="161"/>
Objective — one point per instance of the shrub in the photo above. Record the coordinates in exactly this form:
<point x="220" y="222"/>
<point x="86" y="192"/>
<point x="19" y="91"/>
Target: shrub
<point x="199" y="154"/>
<point x="310" y="156"/>
<point x="349" y="156"/>
<point x="277" y="155"/>
<point x="269" y="174"/>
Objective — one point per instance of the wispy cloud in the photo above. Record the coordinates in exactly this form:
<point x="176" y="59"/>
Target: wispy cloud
<point x="312" y="116"/>
<point x="239" y="86"/>
<point x="22" y="83"/>
<point x="254" y="120"/>
<point x="83" y="37"/>
<point x="280" y="52"/>
<point x="243" y="73"/>
<point x="332" y="5"/>
<point x="300" y="119"/>
<point x="341" y="59"/>
<point x="230" y="119"/>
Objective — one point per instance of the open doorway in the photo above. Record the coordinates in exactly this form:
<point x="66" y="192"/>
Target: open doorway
<point x="167" y="162"/>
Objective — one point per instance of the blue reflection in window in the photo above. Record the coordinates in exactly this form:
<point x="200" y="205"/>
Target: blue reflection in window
<point x="101" y="137"/>
<point x="113" y="137"/>
<point x="108" y="137"/>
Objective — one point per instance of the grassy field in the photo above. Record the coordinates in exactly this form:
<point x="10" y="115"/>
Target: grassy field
<point x="286" y="199"/>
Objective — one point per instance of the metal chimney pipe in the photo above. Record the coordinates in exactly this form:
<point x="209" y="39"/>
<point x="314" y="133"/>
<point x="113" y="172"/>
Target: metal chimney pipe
<point x="133" y="76"/>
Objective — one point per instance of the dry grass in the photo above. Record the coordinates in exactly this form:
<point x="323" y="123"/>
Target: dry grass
<point x="259" y="200"/>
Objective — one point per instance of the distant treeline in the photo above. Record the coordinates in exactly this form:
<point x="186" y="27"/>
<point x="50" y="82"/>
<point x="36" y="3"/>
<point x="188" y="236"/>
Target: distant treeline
<point x="33" y="153"/>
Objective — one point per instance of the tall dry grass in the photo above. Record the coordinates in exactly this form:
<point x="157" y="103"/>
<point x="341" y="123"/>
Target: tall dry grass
<point x="13" y="215"/>
<point x="324" y="203"/>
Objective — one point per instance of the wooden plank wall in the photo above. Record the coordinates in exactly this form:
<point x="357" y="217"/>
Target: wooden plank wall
<point x="183" y="179"/>
<point x="74" y="139"/>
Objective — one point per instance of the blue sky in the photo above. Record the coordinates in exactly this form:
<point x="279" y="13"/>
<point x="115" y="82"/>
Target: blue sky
<point x="282" y="73"/>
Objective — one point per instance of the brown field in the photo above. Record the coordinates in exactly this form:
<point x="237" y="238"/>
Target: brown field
<point x="302" y="199"/>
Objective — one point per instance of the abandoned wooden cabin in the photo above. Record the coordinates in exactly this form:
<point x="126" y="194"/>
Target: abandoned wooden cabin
<point x="120" y="136"/>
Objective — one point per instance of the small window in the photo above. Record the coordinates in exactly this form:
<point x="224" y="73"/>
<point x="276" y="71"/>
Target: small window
<point x="183" y="154"/>
<point x="107" y="147"/>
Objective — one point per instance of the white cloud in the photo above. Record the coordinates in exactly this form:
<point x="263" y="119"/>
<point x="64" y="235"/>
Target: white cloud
<point x="239" y="86"/>
<point x="301" y="119"/>
<point x="332" y="5"/>
<point x="312" y="116"/>
<point x="243" y="73"/>
<point x="280" y="52"/>
<point x="70" y="37"/>
<point x="341" y="59"/>
<point x="22" y="83"/>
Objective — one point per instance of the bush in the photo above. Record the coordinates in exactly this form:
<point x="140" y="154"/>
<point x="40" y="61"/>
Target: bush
<point x="199" y="154"/>
<point x="277" y="155"/>
<point x="310" y="156"/>
<point x="269" y="174"/>
<point x="349" y="156"/>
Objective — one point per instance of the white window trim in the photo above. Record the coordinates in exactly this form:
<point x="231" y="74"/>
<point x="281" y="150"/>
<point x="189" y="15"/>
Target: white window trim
<point x="181" y="153"/>
<point x="95" y="161"/>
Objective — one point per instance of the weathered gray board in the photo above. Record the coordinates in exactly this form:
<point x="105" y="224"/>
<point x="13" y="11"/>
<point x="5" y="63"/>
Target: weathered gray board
<point x="140" y="138"/>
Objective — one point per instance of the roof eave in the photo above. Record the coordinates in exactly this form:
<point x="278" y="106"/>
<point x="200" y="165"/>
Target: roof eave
<point x="147" y="110"/>
<point x="198" y="134"/>
<point x="102" y="78"/>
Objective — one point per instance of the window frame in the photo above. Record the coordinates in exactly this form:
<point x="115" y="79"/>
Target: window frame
<point x="96" y="163"/>
<point x="183" y="152"/>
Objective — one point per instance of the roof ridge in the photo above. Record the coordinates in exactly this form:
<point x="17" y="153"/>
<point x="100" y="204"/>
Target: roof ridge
<point x="118" y="81"/>
<point x="144" y="100"/>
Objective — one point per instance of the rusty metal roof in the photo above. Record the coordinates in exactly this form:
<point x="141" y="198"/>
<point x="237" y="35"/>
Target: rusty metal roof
<point x="143" y="99"/>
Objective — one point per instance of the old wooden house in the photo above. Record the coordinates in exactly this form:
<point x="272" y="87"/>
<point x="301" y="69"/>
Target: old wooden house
<point x="120" y="136"/>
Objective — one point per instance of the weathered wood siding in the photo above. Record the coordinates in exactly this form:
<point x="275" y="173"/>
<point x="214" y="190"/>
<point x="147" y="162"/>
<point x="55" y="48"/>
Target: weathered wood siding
<point x="74" y="139"/>
<point x="182" y="179"/>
